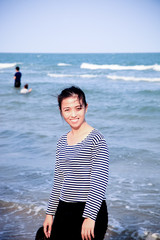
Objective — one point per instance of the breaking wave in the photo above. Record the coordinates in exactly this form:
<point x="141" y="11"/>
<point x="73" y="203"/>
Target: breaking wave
<point x="7" y="65"/>
<point x="154" y="67"/>
<point x="54" y="75"/>
<point x="130" y="78"/>
<point x="63" y="64"/>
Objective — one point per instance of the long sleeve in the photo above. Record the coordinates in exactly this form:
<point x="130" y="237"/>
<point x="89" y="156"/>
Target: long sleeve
<point x="99" y="179"/>
<point x="57" y="185"/>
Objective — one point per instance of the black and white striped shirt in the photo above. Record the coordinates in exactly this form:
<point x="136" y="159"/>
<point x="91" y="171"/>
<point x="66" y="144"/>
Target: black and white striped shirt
<point x="81" y="173"/>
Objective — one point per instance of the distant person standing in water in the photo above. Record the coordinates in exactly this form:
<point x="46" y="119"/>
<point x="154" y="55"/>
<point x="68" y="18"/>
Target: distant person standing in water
<point x="17" y="78"/>
<point x="77" y="201"/>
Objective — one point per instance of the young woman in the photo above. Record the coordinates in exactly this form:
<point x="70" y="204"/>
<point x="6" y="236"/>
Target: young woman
<point x="77" y="201"/>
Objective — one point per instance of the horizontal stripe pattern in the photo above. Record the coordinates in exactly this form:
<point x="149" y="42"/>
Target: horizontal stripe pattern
<point x="81" y="173"/>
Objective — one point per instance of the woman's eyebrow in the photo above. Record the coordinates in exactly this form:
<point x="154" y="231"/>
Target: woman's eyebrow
<point x="65" y="107"/>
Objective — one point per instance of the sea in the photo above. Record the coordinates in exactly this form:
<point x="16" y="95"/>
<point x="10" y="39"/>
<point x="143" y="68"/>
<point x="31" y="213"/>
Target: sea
<point x="123" y="95"/>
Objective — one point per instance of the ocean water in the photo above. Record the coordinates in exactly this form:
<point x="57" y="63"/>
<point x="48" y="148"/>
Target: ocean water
<point x="123" y="93"/>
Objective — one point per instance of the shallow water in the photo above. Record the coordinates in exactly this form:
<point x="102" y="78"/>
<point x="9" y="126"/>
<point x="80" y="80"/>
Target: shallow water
<point x="122" y="105"/>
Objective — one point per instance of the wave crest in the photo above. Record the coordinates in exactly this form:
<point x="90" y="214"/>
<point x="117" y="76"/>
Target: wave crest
<point x="63" y="64"/>
<point x="7" y="65"/>
<point x="154" y="67"/>
<point x="54" y="75"/>
<point x="130" y="78"/>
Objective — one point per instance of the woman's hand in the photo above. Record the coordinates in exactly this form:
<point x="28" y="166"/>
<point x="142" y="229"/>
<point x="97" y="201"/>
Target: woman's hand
<point x="87" y="229"/>
<point x="47" y="225"/>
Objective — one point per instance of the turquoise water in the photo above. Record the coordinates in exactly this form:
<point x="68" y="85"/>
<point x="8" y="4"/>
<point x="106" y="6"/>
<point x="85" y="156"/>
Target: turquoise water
<point x="123" y="93"/>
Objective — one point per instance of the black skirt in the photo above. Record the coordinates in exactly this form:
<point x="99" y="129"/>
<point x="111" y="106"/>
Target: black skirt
<point x="68" y="221"/>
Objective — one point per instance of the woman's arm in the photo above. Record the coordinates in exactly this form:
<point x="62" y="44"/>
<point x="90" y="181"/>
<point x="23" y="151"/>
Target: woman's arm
<point x="57" y="185"/>
<point x="54" y="197"/>
<point x="47" y="225"/>
<point x="99" y="179"/>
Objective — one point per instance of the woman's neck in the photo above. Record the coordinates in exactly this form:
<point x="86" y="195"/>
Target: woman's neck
<point x="78" y="135"/>
<point x="83" y="128"/>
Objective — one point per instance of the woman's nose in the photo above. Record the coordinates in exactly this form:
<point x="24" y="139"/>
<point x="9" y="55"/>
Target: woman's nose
<point x="73" y="113"/>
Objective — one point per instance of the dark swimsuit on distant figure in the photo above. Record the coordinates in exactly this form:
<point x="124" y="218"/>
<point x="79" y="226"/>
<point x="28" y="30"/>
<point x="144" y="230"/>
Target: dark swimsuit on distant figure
<point x="17" y="83"/>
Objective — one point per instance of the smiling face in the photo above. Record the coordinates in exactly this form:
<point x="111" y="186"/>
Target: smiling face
<point x="73" y="111"/>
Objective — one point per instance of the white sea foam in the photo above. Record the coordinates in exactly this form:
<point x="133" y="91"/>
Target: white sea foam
<point x="154" y="67"/>
<point x="54" y="75"/>
<point x="130" y="78"/>
<point x="63" y="64"/>
<point x="87" y="76"/>
<point x="115" y="224"/>
<point x="7" y="65"/>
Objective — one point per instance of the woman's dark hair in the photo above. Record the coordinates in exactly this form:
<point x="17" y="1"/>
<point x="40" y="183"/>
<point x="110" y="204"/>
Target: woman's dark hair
<point x="69" y="92"/>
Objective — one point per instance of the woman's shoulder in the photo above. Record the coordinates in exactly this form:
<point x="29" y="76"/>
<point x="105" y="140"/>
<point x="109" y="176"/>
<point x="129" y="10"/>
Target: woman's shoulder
<point x="97" y="136"/>
<point x="62" y="138"/>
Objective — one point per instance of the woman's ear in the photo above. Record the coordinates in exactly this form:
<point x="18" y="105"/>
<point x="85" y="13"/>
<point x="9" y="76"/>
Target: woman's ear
<point x="86" y="107"/>
<point x="60" y="112"/>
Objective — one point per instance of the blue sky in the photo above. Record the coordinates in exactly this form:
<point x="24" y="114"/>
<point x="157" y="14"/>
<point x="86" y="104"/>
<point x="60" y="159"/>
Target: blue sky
<point x="71" y="26"/>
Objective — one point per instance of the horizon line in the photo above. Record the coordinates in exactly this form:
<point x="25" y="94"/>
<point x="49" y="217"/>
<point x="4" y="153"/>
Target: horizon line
<point x="76" y="52"/>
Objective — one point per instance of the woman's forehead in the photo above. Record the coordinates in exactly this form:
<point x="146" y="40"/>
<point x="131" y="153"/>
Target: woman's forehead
<point x="73" y="100"/>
